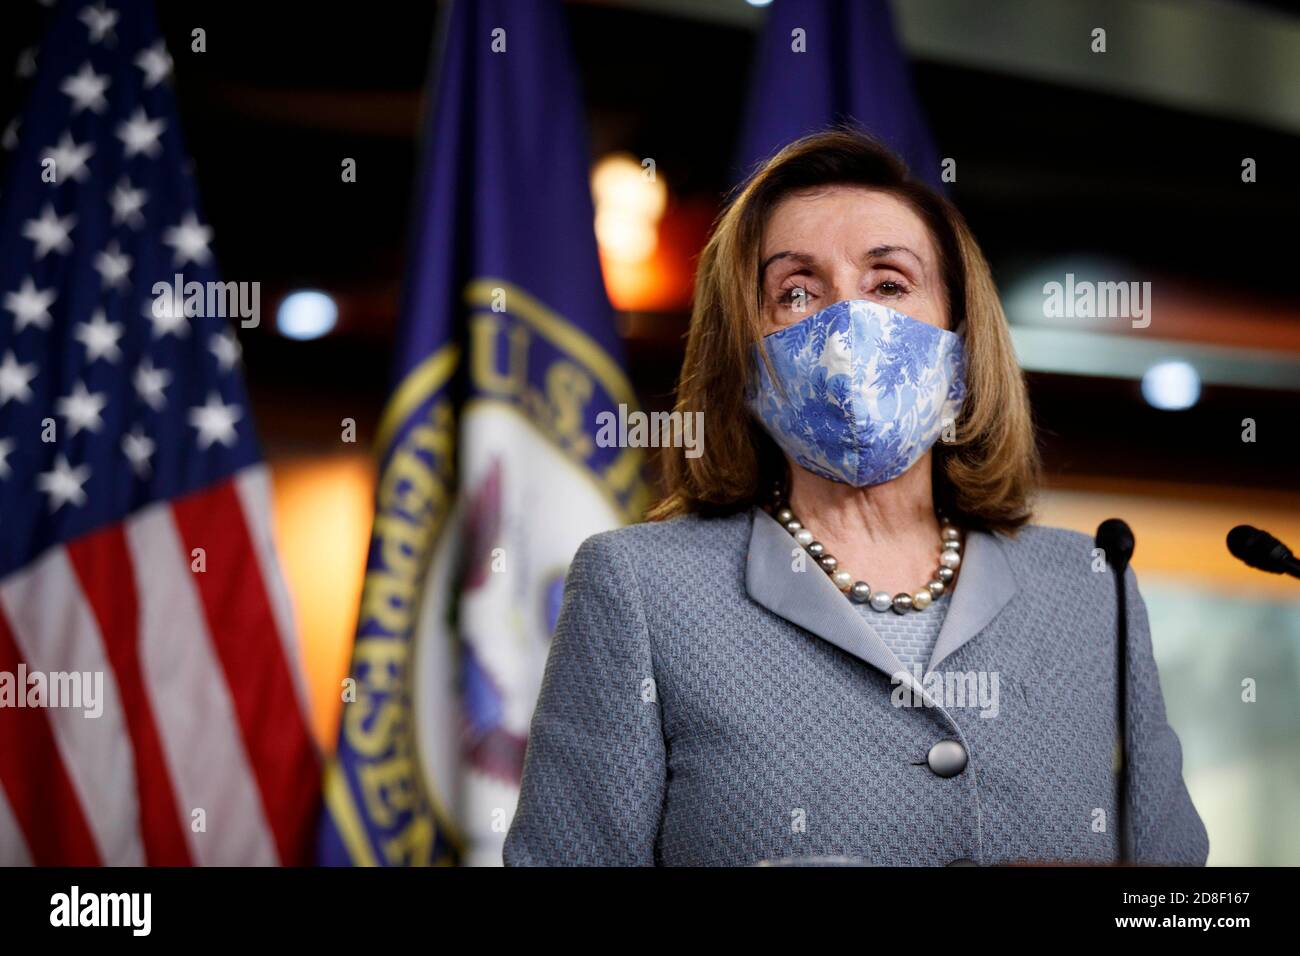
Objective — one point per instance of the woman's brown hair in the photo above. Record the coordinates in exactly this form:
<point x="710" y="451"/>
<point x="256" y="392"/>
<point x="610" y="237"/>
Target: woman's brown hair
<point x="983" y="479"/>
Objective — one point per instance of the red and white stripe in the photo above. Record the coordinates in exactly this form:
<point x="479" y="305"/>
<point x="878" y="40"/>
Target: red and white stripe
<point x="202" y="754"/>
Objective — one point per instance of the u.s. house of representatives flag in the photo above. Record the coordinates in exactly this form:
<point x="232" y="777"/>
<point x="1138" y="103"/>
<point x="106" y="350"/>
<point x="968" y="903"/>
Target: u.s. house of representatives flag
<point x="491" y="475"/>
<point x="826" y="62"/>
<point x="151" y="708"/>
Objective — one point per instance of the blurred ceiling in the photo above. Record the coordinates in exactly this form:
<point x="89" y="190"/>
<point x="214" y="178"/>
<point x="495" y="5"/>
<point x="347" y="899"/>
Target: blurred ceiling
<point x="1237" y="59"/>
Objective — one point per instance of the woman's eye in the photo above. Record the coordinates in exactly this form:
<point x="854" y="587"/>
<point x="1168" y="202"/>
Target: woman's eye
<point x="891" y="289"/>
<point x="795" y="297"/>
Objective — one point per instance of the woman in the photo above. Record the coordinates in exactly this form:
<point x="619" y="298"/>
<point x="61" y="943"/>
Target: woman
<point x="841" y="638"/>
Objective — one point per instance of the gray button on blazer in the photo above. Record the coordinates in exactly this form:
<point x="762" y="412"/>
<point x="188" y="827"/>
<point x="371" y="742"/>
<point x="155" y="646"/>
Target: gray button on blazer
<point x="706" y="704"/>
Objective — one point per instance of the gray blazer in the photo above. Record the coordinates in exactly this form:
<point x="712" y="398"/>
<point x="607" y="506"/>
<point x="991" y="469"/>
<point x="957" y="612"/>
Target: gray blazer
<point x="705" y="704"/>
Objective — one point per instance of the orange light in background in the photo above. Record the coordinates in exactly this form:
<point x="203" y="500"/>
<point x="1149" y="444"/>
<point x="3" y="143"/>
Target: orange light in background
<point x="323" y="509"/>
<point x="630" y="200"/>
<point x="1180" y="528"/>
<point x="664" y="282"/>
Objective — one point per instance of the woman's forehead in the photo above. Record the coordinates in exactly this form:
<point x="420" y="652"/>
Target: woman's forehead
<point x="834" y="219"/>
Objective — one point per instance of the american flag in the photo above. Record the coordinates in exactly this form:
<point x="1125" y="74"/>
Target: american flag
<point x="134" y="507"/>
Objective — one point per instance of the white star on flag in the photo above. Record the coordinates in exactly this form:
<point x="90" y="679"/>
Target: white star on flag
<point x="156" y="63"/>
<point x="189" y="240"/>
<point x="63" y="483"/>
<point x="167" y="313"/>
<point x="82" y="409"/>
<point x="138" y="448"/>
<point x="86" y="88"/>
<point x="226" y="348"/>
<point x="15" y="379"/>
<point x="99" y="336"/>
<point x="215" y="422"/>
<point x="127" y="203"/>
<point x="113" y="265"/>
<point x="30" y="305"/>
<point x="10" y="138"/>
<point x="149" y="384"/>
<point x="70" y="159"/>
<point x="139" y="134"/>
<point x="50" y="233"/>
<point x="6" y="447"/>
<point x="99" y="21"/>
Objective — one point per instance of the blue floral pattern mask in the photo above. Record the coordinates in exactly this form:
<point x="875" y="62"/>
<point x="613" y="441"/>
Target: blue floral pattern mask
<point x="861" y="391"/>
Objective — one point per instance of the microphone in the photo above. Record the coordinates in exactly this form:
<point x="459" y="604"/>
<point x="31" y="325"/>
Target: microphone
<point x="1115" y="539"/>
<point x="1261" y="550"/>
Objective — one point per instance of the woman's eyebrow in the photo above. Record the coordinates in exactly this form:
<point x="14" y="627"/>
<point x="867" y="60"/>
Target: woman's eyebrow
<point x="802" y="257"/>
<point x="880" y="252"/>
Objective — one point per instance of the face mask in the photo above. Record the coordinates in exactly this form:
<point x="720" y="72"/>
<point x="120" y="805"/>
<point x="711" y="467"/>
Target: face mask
<point x="861" y="391"/>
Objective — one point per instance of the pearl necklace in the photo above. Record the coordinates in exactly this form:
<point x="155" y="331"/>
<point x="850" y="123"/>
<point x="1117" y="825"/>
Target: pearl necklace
<point x="860" y="591"/>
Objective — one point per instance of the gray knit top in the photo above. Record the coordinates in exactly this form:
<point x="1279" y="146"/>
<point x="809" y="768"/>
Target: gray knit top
<point x="910" y="636"/>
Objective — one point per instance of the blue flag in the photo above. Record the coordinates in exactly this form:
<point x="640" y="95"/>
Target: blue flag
<point x="491" y="475"/>
<point x="823" y="63"/>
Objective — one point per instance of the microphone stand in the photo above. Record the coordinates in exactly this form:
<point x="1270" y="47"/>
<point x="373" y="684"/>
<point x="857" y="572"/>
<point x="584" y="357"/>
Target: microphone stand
<point x="1121" y="684"/>
<point x="1115" y="539"/>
